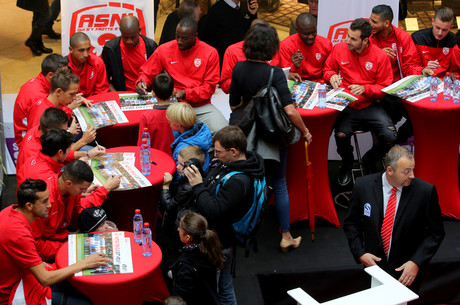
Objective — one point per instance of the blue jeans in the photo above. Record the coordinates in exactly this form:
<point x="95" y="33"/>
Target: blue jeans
<point x="226" y="293"/>
<point x="276" y="173"/>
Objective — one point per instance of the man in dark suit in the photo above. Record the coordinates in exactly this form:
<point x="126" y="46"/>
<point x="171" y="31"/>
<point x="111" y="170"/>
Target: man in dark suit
<point x="394" y="219"/>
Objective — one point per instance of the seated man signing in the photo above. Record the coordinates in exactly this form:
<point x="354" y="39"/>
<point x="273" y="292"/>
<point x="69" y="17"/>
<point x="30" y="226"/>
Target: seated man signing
<point x="194" y="67"/>
<point x="66" y="205"/>
<point x="88" y="67"/>
<point x="305" y="52"/>
<point x="124" y="55"/>
<point x="24" y="277"/>
<point x="364" y="69"/>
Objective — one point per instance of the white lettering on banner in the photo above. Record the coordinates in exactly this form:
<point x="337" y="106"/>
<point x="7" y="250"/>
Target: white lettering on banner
<point x="100" y="20"/>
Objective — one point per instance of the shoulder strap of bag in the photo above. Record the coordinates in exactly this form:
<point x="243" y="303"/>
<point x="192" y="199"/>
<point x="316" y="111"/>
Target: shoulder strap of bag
<point x="225" y="178"/>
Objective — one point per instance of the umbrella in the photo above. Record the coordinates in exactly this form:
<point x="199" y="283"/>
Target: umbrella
<point x="310" y="202"/>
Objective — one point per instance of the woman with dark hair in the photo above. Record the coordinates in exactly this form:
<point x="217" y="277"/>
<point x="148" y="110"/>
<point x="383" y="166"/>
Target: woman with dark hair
<point x="248" y="77"/>
<point x="194" y="273"/>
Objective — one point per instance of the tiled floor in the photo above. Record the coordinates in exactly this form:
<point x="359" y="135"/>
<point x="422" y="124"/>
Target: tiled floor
<point x="17" y="64"/>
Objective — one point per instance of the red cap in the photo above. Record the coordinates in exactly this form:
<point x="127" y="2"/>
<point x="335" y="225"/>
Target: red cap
<point x="146" y="224"/>
<point x="146" y="129"/>
<point x="447" y="73"/>
<point x="434" y="75"/>
<point x="137" y="211"/>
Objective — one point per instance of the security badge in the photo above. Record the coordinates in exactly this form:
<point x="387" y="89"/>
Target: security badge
<point x="367" y="209"/>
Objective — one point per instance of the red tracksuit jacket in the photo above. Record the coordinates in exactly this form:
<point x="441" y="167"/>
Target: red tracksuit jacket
<point x="93" y="76"/>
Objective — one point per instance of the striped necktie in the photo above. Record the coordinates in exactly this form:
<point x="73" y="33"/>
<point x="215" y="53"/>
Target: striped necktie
<point x="388" y="220"/>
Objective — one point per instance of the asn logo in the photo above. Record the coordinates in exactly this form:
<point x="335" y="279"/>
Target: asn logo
<point x="338" y="32"/>
<point x="101" y="22"/>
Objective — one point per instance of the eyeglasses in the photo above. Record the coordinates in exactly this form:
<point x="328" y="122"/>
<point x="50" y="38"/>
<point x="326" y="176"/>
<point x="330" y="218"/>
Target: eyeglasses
<point x="218" y="152"/>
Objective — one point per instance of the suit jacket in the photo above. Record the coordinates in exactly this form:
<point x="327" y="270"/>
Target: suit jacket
<point x="417" y="231"/>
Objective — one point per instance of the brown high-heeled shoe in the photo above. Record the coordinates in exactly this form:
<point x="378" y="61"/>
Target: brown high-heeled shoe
<point x="294" y="243"/>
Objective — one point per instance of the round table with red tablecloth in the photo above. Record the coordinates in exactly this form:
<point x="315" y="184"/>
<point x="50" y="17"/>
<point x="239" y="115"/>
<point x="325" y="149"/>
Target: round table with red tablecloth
<point x="120" y="205"/>
<point x="145" y="283"/>
<point x="436" y="139"/>
<point x="319" y="122"/>
<point x="122" y="134"/>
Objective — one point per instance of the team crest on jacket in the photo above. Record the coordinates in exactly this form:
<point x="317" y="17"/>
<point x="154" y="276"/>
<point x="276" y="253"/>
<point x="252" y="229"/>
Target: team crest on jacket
<point x="445" y="51"/>
<point x="369" y="66"/>
<point x="92" y="75"/>
<point x="197" y="62"/>
<point x="318" y="56"/>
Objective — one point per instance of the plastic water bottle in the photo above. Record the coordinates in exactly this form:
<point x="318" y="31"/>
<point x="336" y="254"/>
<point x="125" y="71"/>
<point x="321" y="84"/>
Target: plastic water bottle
<point x="146" y="136"/>
<point x="456" y="89"/>
<point x="447" y="86"/>
<point x="146" y="240"/>
<point x="322" y="95"/>
<point x="433" y="88"/>
<point x="137" y="226"/>
<point x="145" y="160"/>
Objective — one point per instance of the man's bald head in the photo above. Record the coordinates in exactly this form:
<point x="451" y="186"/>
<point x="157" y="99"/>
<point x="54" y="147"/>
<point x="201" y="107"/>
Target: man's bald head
<point x="305" y="19"/>
<point x="129" y="23"/>
<point x="77" y="38"/>
<point x="130" y="30"/>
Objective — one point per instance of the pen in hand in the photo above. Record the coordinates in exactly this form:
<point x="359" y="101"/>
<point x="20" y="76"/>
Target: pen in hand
<point x="98" y="147"/>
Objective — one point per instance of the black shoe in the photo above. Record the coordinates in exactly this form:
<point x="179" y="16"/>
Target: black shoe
<point x="344" y="175"/>
<point x="52" y="34"/>
<point x="45" y="49"/>
<point x="36" y="50"/>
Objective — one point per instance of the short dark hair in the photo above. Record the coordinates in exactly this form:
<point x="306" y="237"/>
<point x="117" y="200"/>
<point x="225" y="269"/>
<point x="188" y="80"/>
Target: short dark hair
<point x="53" y="62"/>
<point x="189" y="22"/>
<point x="445" y="14"/>
<point x="187" y="9"/>
<point x="306" y="18"/>
<point x="261" y="42"/>
<point x="62" y="79"/>
<point x="78" y="37"/>
<point x="363" y="25"/>
<point x="231" y="137"/>
<point x="53" y="118"/>
<point x="78" y="172"/>
<point x="384" y="11"/>
<point x="54" y="140"/>
<point x="163" y="86"/>
<point x="27" y="191"/>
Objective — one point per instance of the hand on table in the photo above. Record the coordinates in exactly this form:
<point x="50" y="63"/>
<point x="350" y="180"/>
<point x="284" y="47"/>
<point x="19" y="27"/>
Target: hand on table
<point x="369" y="259"/>
<point x="410" y="271"/>
<point x="427" y="71"/>
<point x="112" y="183"/>
<point x="356" y="89"/>
<point x="335" y="81"/>
<point x="141" y="88"/>
<point x="95" y="260"/>
<point x="193" y="175"/>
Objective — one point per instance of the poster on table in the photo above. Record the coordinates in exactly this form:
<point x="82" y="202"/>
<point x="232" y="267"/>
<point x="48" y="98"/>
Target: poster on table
<point x="100" y="20"/>
<point x="102" y="114"/>
<point x="114" y="245"/>
<point x="412" y="88"/>
<point x="334" y="23"/>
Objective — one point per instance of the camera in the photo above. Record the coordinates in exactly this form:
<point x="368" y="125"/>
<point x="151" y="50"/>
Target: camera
<point x="193" y="161"/>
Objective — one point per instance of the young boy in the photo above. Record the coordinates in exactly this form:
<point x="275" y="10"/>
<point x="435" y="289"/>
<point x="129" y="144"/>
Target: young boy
<point x="187" y="131"/>
<point x="155" y="121"/>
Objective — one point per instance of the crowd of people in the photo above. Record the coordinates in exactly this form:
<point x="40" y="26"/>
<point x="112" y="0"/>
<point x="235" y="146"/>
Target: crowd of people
<point x="232" y="48"/>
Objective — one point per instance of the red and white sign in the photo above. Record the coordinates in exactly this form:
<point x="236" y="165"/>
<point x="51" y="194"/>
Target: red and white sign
<point x="100" y="20"/>
<point x="334" y="23"/>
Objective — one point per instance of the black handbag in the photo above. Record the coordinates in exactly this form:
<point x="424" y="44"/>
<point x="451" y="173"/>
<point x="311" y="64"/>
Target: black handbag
<point x="273" y="124"/>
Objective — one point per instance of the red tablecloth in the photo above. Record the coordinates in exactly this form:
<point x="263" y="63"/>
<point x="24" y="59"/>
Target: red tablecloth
<point x="320" y="122"/>
<point x="437" y="138"/>
<point x="145" y="283"/>
<point x="120" y="205"/>
<point x="124" y="134"/>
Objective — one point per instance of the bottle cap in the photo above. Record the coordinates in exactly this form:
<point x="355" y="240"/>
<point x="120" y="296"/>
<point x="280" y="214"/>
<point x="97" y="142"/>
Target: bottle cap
<point x="137" y="211"/>
<point x="448" y="73"/>
<point x="434" y="75"/>
<point x="146" y="224"/>
<point x="146" y="129"/>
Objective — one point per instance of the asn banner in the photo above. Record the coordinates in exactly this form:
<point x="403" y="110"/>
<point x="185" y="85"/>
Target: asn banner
<point x="100" y="20"/>
<point x="334" y="23"/>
